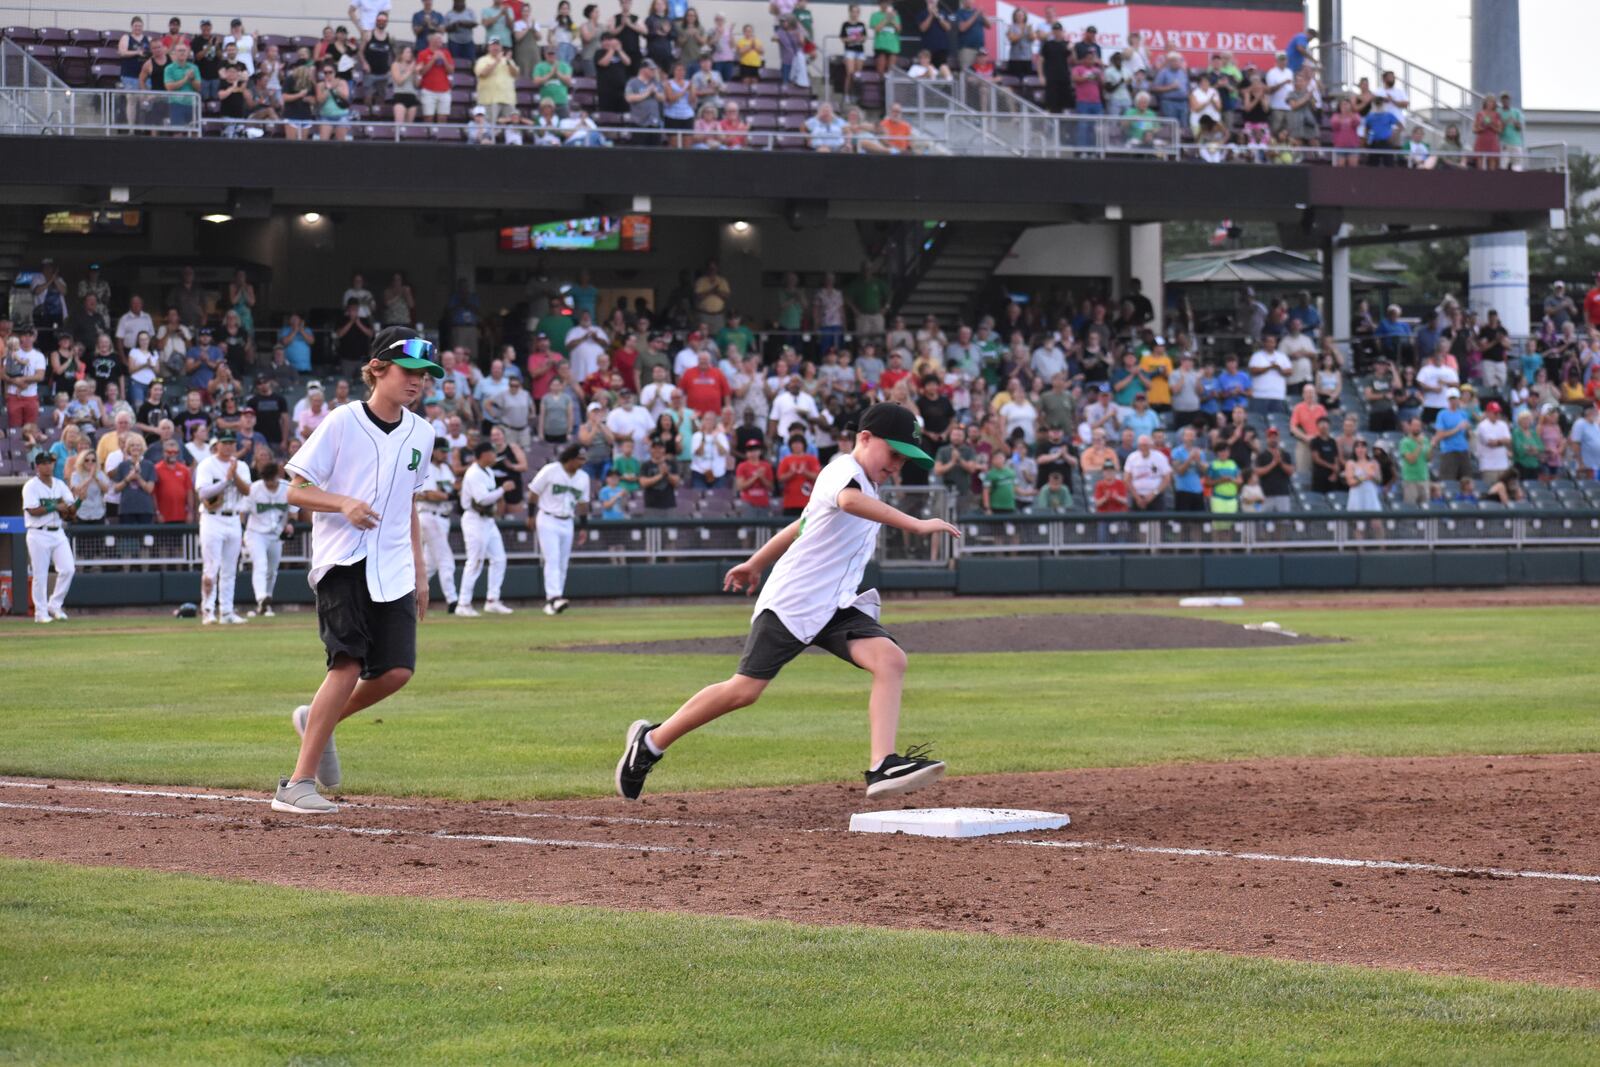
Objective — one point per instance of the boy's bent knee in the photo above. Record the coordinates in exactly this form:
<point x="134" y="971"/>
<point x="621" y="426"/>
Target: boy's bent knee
<point x="395" y="677"/>
<point x="745" y="689"/>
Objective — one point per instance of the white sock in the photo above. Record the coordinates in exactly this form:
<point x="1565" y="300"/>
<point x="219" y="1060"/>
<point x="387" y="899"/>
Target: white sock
<point x="877" y="766"/>
<point x="651" y="745"/>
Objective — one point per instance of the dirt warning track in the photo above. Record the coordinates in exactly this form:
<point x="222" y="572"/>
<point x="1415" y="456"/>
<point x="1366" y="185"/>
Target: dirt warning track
<point x="1486" y="866"/>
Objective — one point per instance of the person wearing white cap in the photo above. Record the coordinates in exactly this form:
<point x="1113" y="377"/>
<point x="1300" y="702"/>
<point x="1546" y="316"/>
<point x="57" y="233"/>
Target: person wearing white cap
<point x="1452" y="439"/>
<point x="47" y="502"/>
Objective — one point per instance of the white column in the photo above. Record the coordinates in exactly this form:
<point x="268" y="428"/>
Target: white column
<point x="1337" y="315"/>
<point x="1498" y="268"/>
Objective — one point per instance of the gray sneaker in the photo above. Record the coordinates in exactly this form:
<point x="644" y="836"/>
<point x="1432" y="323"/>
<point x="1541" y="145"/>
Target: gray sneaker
<point x="301" y="798"/>
<point x="328" y="763"/>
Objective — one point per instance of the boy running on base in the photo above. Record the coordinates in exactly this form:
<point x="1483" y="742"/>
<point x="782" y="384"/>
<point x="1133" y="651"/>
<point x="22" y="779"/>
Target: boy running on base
<point x="812" y="599"/>
<point x="359" y="474"/>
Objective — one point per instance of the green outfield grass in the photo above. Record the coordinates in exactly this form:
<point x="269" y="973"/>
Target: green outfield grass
<point x="110" y="966"/>
<point x="497" y="711"/>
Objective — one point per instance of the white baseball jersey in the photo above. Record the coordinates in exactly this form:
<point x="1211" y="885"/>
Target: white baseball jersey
<point x="441" y="479"/>
<point x="822" y="570"/>
<point x="54" y="498"/>
<point x="219" y="494"/>
<point x="559" y="493"/>
<point x="352" y="455"/>
<point x="479" y="490"/>
<point x="268" y="508"/>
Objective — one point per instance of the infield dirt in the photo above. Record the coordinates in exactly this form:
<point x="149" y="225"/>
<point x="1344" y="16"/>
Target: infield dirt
<point x="785" y="853"/>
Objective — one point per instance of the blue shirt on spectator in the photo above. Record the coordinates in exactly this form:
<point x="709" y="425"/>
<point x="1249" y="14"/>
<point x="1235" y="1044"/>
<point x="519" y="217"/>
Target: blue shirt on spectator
<point x="1427" y="340"/>
<point x="1189" y="480"/>
<point x="608" y="494"/>
<point x="972" y="36"/>
<point x="1586" y="435"/>
<point x="1236" y="380"/>
<point x="1308" y="317"/>
<point x="1141" y="422"/>
<point x="1448" y="420"/>
<point x="1379" y="127"/>
<point x="1298" y="46"/>
<point x="1388" y="327"/>
<point x="425" y="22"/>
<point x="297" y="353"/>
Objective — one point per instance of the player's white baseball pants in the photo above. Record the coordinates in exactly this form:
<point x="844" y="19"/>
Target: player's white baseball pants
<point x="555" y="546"/>
<point x="483" y="543"/>
<point x="265" y="552"/>
<point x="220" y="541"/>
<point x="436" y="552"/>
<point x="46" y="549"/>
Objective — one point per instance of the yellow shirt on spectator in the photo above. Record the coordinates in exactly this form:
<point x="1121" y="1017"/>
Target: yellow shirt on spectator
<point x="500" y="86"/>
<point x="1160" y="392"/>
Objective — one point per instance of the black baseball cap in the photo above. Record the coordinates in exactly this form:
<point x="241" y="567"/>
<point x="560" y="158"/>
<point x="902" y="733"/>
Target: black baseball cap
<point x="440" y="442"/>
<point x="899" y="428"/>
<point x="406" y="348"/>
<point x="227" y="437"/>
<point x="42" y="456"/>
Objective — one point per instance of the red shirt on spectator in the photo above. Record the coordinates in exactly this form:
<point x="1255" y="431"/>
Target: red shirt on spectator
<point x="174" y="486"/>
<point x="890" y="378"/>
<point x="792" y="473"/>
<point x="436" y="77"/>
<point x="1110" y="494"/>
<point x="1591" y="305"/>
<point x="757" y="493"/>
<point x="542" y="371"/>
<point x="598" y="382"/>
<point x="625" y="361"/>
<point x="705" y="390"/>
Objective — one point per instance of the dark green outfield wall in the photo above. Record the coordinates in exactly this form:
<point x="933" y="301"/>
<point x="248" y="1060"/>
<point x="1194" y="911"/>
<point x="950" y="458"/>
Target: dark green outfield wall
<point x="984" y="576"/>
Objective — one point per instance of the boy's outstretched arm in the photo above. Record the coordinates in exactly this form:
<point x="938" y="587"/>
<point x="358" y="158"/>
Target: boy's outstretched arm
<point x="747" y="575"/>
<point x="855" y="502"/>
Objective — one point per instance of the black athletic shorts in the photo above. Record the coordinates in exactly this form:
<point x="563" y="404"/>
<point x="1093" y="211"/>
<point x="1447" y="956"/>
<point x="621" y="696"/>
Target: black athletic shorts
<point x="771" y="646"/>
<point x="380" y="637"/>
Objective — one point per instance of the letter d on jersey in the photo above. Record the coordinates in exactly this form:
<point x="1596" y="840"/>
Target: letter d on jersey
<point x="416" y="459"/>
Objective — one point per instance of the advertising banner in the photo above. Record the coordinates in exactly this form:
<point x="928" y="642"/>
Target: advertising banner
<point x="1254" y="37"/>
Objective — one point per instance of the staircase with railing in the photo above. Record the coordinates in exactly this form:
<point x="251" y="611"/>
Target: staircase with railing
<point x="943" y="268"/>
<point x="1435" y="101"/>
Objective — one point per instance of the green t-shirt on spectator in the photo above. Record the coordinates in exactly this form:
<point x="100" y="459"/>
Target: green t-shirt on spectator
<point x="1146" y="121"/>
<point x="1221" y="471"/>
<point x="1057" y="409"/>
<point x="556" y="327"/>
<point x="1053" y="498"/>
<point x="627" y="468"/>
<point x="553" y="90"/>
<point x="1526" y="448"/>
<point x="1002" y="483"/>
<point x="177" y="72"/>
<point x="885" y="26"/>
<point x="1414" y="460"/>
<point x="648" y="360"/>
<point x="869" y="294"/>
<point x="742" y="337"/>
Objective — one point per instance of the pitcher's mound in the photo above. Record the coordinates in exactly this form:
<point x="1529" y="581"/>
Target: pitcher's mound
<point x="1018" y="633"/>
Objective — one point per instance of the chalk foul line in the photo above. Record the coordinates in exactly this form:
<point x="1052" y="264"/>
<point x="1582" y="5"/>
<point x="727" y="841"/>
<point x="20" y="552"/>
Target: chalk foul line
<point x="1320" y="861"/>
<point x="360" y="831"/>
<point x="237" y="798"/>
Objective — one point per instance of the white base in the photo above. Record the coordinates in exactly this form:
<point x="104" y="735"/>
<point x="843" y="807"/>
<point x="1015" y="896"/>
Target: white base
<point x="955" y="822"/>
<point x="1211" y="602"/>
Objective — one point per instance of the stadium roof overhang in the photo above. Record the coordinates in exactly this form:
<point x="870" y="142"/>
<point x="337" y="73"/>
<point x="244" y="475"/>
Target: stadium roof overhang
<point x="802" y="187"/>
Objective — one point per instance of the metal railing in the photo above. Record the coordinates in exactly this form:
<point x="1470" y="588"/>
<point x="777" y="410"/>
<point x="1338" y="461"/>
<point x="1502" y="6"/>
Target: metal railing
<point x="67" y="112"/>
<point x="937" y="109"/>
<point x="657" y="539"/>
<point x="1435" y="101"/>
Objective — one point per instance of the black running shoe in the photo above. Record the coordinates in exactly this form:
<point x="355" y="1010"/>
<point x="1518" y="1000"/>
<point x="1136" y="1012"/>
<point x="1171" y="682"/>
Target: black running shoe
<point x="636" y="760"/>
<point x="901" y="774"/>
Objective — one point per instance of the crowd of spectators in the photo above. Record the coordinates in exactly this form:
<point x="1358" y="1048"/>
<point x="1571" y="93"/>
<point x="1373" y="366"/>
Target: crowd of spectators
<point x="664" y="75"/>
<point x="1041" y="408"/>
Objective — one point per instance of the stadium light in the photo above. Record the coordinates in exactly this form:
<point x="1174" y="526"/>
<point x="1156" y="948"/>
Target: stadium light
<point x="741" y="227"/>
<point x="217" y="217"/>
<point x="311" y="218"/>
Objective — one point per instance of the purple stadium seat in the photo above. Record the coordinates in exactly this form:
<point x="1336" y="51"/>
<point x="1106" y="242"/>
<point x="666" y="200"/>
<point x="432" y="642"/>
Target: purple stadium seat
<point x="106" y="75"/>
<point x="88" y="38"/>
<point x="767" y="88"/>
<point x="795" y="91"/>
<point x="304" y="42"/>
<point x="789" y="104"/>
<point x="107" y="53"/>
<point x="416" y="133"/>
<point x="792" y="121"/>
<point x="738" y="90"/>
<point x="585" y="98"/>
<point x="20" y="34"/>
<point x="459" y="80"/>
<point x="770" y="75"/>
<point x="449" y="133"/>
<point x="44" y="53"/>
<point x="525" y="98"/>
<point x="265" y="39"/>
<point x="52" y="35"/>
<point x="764" y="121"/>
<point x="582" y="84"/>
<point x="790" y="143"/>
<point x="74" y="65"/>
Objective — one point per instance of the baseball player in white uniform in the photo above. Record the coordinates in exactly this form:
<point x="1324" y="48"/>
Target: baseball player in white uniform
<point x="47" y="502"/>
<point x="222" y="482"/>
<point x="479" y="495"/>
<point x="559" y="492"/>
<point x="267" y="523"/>
<point x="434" y="505"/>
<point x="359" y="474"/>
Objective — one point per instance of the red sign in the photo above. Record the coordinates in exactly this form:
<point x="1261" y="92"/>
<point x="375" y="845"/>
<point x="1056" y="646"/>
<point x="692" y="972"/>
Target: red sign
<point x="1254" y="37"/>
